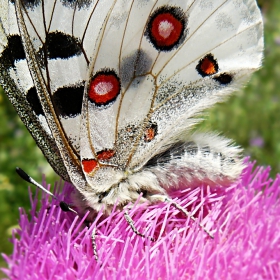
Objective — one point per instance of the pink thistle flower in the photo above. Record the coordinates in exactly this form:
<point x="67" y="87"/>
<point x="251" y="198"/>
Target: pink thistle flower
<point x="243" y="218"/>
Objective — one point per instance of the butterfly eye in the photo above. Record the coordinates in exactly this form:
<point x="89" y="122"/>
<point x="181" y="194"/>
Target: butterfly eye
<point x="166" y="28"/>
<point x="104" y="87"/>
<point x="144" y="193"/>
<point x="101" y="196"/>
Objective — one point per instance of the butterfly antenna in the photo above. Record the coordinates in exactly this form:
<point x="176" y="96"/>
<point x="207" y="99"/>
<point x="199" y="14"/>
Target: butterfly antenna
<point x="134" y="229"/>
<point x="63" y="205"/>
<point x="181" y="209"/>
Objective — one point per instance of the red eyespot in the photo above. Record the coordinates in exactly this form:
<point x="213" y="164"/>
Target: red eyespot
<point x="104" y="88"/>
<point x="166" y="27"/>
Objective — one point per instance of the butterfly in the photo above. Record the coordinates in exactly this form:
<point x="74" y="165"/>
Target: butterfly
<point x="110" y="90"/>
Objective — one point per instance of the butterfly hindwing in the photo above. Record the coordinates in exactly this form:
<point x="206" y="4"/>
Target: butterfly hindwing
<point x="202" y="70"/>
<point x="161" y="73"/>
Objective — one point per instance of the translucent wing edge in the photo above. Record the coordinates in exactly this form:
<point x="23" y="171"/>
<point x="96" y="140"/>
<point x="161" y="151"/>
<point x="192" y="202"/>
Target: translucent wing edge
<point x="43" y="140"/>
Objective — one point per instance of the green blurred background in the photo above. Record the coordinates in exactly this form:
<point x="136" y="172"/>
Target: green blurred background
<point x="251" y="118"/>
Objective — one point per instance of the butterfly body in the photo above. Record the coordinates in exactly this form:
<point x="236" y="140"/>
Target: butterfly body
<point x="110" y="90"/>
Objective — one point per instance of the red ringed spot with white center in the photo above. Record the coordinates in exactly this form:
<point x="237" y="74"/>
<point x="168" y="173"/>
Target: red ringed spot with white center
<point x="89" y="165"/>
<point x="105" y="154"/>
<point x="207" y="66"/>
<point x="104" y="87"/>
<point x="166" y="27"/>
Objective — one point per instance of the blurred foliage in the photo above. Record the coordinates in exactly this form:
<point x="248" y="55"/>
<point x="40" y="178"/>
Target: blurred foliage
<point x="251" y="118"/>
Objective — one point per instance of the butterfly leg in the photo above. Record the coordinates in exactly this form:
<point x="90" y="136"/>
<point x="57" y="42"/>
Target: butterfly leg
<point x="93" y="240"/>
<point x="131" y="223"/>
<point x="181" y="209"/>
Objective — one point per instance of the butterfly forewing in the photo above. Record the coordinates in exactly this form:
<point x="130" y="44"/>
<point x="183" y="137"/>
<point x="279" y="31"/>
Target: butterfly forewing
<point x="40" y="72"/>
<point x="59" y="64"/>
<point x="20" y="89"/>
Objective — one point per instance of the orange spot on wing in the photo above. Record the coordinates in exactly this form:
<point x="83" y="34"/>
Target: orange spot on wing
<point x="208" y="67"/>
<point x="149" y="134"/>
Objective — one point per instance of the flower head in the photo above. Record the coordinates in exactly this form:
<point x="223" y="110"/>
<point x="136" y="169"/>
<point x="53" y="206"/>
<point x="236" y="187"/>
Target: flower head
<point x="244" y="219"/>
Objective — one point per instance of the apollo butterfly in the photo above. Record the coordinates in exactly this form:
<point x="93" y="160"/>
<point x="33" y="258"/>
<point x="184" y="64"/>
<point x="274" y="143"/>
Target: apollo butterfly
<point x="110" y="89"/>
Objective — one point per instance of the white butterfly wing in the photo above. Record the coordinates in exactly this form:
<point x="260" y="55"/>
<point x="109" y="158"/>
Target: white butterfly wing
<point x="59" y="38"/>
<point x="18" y="84"/>
<point x="234" y="40"/>
<point x="147" y="83"/>
<point x="120" y="83"/>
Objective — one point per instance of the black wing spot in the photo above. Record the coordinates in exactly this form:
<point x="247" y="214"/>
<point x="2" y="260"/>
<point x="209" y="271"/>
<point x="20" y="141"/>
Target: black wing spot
<point x="68" y="100"/>
<point x="33" y="100"/>
<point x="61" y="45"/>
<point x="29" y="4"/>
<point x="224" y="78"/>
<point x="74" y="3"/>
<point x="13" y="52"/>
